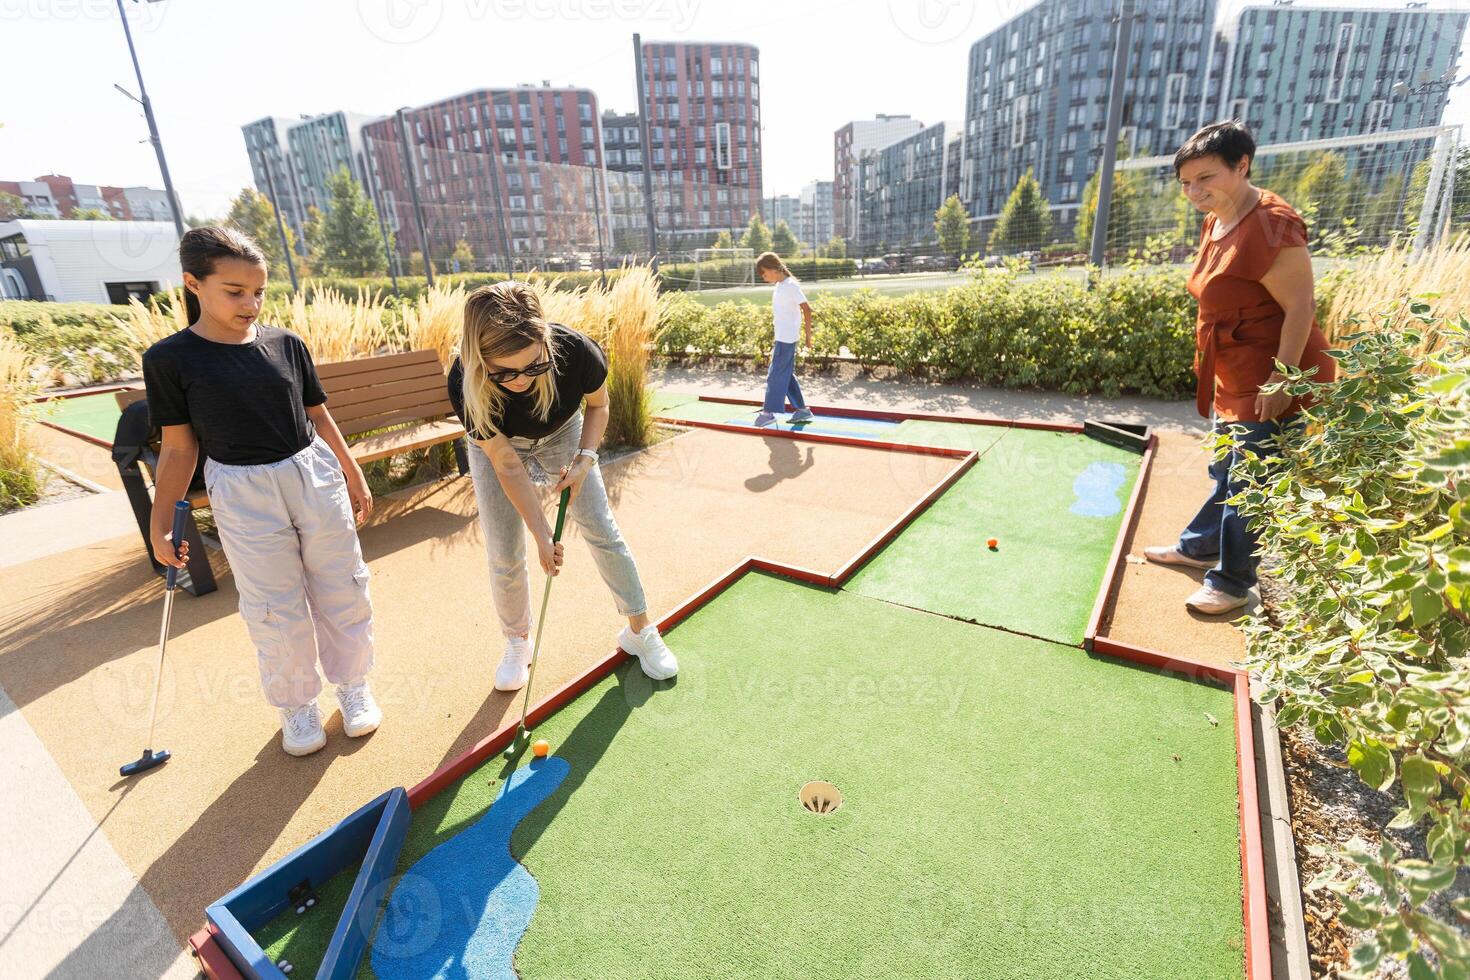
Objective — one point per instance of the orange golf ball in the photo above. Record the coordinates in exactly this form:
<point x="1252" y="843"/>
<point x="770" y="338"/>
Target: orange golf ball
<point x="540" y="747"/>
<point x="992" y="543"/>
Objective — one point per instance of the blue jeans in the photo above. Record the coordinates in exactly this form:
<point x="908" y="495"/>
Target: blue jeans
<point x="1218" y="530"/>
<point x="781" y="380"/>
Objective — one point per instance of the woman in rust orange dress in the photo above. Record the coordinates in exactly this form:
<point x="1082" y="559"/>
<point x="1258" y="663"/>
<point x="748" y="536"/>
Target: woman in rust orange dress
<point x="1253" y="281"/>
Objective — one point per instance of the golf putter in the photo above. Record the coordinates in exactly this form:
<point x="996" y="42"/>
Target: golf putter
<point x="521" y="732"/>
<point x="150" y="758"/>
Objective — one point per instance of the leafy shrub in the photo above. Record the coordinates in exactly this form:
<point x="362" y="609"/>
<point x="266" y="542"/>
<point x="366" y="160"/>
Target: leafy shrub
<point x="78" y="342"/>
<point x="1369" y="514"/>
<point x="1130" y="332"/>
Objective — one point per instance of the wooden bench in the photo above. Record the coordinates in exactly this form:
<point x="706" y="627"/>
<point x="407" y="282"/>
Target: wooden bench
<point x="402" y="394"/>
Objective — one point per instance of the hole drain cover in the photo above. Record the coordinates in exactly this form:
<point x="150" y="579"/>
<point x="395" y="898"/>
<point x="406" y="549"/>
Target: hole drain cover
<point x="819" y="797"/>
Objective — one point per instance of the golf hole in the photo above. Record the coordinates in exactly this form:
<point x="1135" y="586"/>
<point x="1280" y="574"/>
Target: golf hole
<point x="820" y="798"/>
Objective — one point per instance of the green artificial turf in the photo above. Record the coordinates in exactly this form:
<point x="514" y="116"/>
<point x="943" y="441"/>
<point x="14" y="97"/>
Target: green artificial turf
<point x="1014" y="808"/>
<point x="96" y="415"/>
<point x="1044" y="576"/>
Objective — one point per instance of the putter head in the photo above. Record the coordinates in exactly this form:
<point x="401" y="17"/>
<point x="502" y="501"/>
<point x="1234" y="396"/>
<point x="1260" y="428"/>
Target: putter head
<point x="147" y="761"/>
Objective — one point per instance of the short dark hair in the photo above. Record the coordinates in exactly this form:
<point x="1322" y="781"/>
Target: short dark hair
<point x="1229" y="140"/>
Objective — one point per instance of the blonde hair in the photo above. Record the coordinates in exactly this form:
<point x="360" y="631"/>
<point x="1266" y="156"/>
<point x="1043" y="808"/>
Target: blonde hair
<point x="500" y="321"/>
<point x="770" y="260"/>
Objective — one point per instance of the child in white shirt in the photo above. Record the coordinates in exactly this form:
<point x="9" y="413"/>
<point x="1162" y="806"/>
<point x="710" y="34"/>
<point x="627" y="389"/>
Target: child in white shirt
<point x="791" y="312"/>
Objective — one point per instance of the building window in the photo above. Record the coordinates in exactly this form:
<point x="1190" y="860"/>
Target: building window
<point x="722" y="146"/>
<point x="1340" y="61"/>
<point x="1174" y="89"/>
<point x="1018" y="122"/>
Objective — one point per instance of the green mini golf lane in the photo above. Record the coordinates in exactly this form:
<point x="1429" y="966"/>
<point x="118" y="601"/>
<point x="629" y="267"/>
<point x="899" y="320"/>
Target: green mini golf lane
<point x="917" y="432"/>
<point x="96" y="415"/>
<point x="1014" y="808"/>
<point x="1044" y="575"/>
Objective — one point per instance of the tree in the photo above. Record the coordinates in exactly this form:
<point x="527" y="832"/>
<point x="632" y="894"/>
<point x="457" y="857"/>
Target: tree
<point x="346" y="240"/>
<point x="757" y="236"/>
<point x="1419" y="184"/>
<point x="836" y="248"/>
<point x="462" y="259"/>
<point x="253" y="215"/>
<point x="1129" y="219"/>
<point x="416" y="263"/>
<point x="952" y="225"/>
<point x="723" y="240"/>
<point x="1025" y="221"/>
<point x="783" y="240"/>
<point x="1384" y="209"/>
<point x="13" y="208"/>
<point x="89" y="214"/>
<point x="1323" y="191"/>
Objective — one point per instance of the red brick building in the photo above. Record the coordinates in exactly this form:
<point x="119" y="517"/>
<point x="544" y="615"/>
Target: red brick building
<point x="704" y="138"/>
<point x="507" y="170"/>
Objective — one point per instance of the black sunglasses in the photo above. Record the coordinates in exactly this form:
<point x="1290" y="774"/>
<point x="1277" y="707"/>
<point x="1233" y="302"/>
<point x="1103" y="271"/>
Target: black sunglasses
<point x="534" y="370"/>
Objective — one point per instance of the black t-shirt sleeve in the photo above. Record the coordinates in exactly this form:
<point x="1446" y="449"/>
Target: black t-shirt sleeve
<point x="455" y="386"/>
<point x="166" y="402"/>
<point x="588" y="363"/>
<point x="311" y="386"/>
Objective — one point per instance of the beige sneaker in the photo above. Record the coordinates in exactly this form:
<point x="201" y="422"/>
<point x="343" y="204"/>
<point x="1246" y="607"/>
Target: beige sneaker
<point x="1212" y="602"/>
<point x="360" y="712"/>
<point x="301" y="729"/>
<point x="1171" y="555"/>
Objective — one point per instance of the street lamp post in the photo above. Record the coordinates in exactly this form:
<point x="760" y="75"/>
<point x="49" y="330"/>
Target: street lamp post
<point x="168" y="184"/>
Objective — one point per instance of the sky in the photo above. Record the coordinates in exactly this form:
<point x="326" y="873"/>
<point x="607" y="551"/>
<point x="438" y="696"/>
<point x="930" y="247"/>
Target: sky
<point x="212" y="66"/>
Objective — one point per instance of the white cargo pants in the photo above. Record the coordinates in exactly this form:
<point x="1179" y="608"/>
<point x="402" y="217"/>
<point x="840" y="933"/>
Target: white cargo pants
<point x="289" y="533"/>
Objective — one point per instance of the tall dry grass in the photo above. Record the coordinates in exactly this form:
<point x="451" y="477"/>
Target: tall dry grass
<point x="148" y="323"/>
<point x="632" y="328"/>
<point x="435" y="321"/>
<point x="623" y="318"/>
<point x="333" y="327"/>
<point x="20" y="472"/>
<point x="1374" y="292"/>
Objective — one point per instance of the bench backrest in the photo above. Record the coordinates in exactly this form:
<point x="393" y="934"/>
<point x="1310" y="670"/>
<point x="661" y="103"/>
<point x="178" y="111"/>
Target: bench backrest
<point x="378" y="392"/>
<point x="373" y="392"/>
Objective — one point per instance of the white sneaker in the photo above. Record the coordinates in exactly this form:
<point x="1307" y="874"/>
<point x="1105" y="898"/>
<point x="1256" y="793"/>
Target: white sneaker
<point x="764" y="420"/>
<point x="1171" y="555"/>
<point x="301" y="729"/>
<point x="802" y="415"/>
<point x="515" y="666"/>
<point x="1212" y="602"/>
<point x="653" y="656"/>
<point x="360" y="713"/>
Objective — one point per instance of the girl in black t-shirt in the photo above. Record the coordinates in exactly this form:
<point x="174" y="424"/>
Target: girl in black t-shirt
<point x="282" y="485"/>
<point x="519" y="386"/>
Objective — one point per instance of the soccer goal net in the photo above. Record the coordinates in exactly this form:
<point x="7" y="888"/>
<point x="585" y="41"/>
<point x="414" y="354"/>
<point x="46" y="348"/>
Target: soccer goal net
<point x="1354" y="191"/>
<point x="717" y="268"/>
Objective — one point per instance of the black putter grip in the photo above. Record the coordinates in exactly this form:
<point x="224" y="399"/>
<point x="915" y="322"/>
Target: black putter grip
<point x="561" y="513"/>
<point x="181" y="516"/>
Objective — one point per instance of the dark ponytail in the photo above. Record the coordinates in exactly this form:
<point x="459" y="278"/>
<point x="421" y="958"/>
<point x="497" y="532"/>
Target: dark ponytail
<point x="200" y="248"/>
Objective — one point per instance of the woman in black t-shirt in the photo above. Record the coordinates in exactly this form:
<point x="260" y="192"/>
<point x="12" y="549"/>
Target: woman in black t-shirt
<point x="282" y="485"/>
<point x="519" y="387"/>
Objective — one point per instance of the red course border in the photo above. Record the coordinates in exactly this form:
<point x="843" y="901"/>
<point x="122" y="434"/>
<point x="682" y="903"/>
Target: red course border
<point x="1257" y="953"/>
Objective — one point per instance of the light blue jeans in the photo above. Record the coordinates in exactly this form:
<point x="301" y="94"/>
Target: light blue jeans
<point x="505" y="531"/>
<point x="781" y="381"/>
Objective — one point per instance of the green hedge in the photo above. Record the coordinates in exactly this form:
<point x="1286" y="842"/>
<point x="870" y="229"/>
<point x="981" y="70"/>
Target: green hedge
<point x="1132" y="332"/>
<point x="84" y="340"/>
